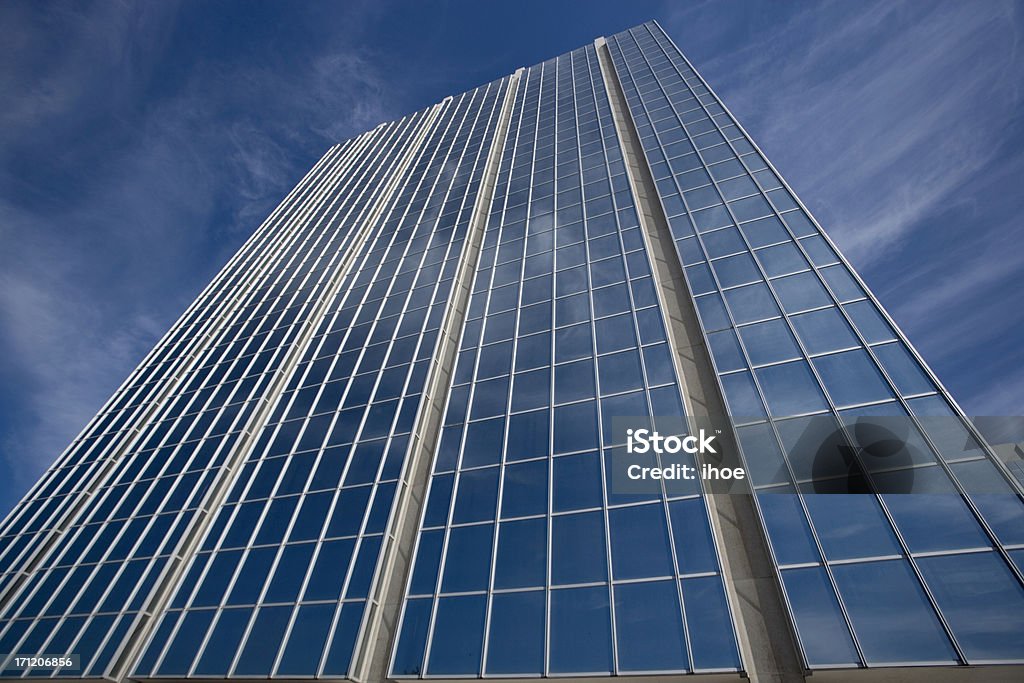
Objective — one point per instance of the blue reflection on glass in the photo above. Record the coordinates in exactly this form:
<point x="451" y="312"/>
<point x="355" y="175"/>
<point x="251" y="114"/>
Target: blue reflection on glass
<point x="891" y="615"/>
<point x="823" y="632"/>
<point x="712" y="638"/>
<point x="456" y="646"/>
<point x="982" y="601"/>
<point x="649" y="627"/>
<point x="516" y="641"/>
<point x="581" y="634"/>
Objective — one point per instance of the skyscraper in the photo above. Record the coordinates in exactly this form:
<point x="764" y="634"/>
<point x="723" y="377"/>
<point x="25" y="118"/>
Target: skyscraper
<point x="390" y="439"/>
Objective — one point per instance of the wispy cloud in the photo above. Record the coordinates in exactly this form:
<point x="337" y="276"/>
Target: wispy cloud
<point x="878" y="112"/>
<point x="162" y="170"/>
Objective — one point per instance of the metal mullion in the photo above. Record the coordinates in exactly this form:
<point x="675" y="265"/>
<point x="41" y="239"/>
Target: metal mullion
<point x="503" y="460"/>
<point x="597" y="396"/>
<point x="643" y="367"/>
<point x="474" y="111"/>
<point x="461" y="115"/>
<point x="435" y="598"/>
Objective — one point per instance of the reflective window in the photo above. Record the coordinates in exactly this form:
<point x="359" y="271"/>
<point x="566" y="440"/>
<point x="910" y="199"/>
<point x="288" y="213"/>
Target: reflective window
<point x="578" y="548"/>
<point x="851" y="378"/>
<point x="824" y="330"/>
<point x="640" y="545"/>
<point x="522" y="553"/>
<point x="790" y="389"/>
<point x="781" y="259"/>
<point x="725" y="350"/>
<point x="516" y="636"/>
<point x="458" y="635"/>
<point x="982" y="601"/>
<point x="819" y="622"/>
<point x="751" y="303"/>
<point x="769" y="342"/>
<point x="581" y="638"/>
<point x="891" y="616"/>
<point x="903" y="370"/>
<point x="648" y="627"/>
<point x="787" y="527"/>
<point x="707" y="617"/>
<point x="800" y="292"/>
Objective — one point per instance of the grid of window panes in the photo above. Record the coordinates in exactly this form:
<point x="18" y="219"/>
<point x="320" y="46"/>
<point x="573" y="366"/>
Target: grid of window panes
<point x="280" y="584"/>
<point x="42" y="510"/>
<point x="91" y="589"/>
<point x="526" y="563"/>
<point x="805" y="358"/>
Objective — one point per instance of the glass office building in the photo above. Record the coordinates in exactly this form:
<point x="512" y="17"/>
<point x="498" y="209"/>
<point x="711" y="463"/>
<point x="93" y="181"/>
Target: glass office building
<point x="384" y="443"/>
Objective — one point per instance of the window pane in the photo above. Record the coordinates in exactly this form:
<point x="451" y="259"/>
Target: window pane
<point x="578" y="548"/>
<point x="257" y="657"/>
<point x="741" y="395"/>
<point x="769" y="342"/>
<point x="850" y="525"/>
<point x="640" y="546"/>
<point x="891" y="615"/>
<point x="736" y="270"/>
<point x="525" y="489"/>
<point x="982" y="601"/>
<point x="516" y="641"/>
<point x="750" y="303"/>
<point x="581" y="636"/>
<point x="790" y="389"/>
<point x="765" y="464"/>
<point x="476" y="496"/>
<point x="522" y="554"/>
<point x="458" y="635"/>
<point x="787" y="527"/>
<point x="707" y="616"/>
<point x="905" y="372"/>
<point x="468" y="559"/>
<point x="823" y="632"/>
<point x="649" y="627"/>
<point x="851" y="378"/>
<point x="782" y="259"/>
<point x="801" y="292"/>
<point x="824" y="330"/>
<point x="726" y="351"/>
<point x="869" y="321"/>
<point x="695" y="550"/>
<point x="577" y="482"/>
<point x="306" y="641"/>
<point x="412" y="640"/>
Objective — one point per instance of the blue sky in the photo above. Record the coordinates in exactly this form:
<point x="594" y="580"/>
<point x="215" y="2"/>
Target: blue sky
<point x="141" y="143"/>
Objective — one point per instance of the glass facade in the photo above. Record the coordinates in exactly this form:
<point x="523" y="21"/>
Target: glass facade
<point x="804" y="357"/>
<point x="380" y="443"/>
